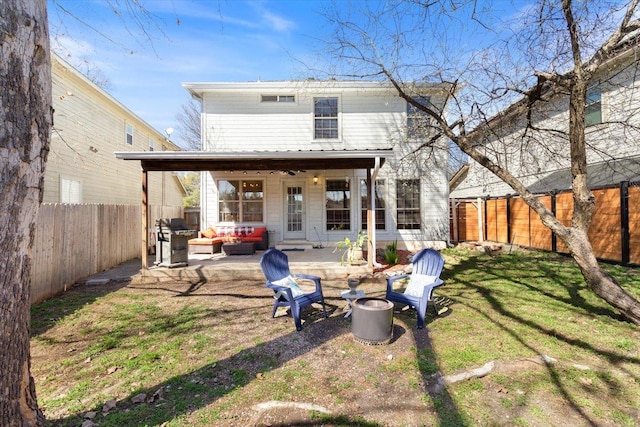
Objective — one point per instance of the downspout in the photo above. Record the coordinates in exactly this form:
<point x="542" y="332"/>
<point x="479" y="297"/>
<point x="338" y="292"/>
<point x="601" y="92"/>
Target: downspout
<point x="372" y="198"/>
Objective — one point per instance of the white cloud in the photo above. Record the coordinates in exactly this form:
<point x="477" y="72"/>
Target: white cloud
<point x="277" y="23"/>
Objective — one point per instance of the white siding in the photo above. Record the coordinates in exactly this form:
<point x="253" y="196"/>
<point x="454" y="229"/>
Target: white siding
<point x="240" y="121"/>
<point x="234" y="118"/>
<point x="540" y="154"/>
<point x="88" y="128"/>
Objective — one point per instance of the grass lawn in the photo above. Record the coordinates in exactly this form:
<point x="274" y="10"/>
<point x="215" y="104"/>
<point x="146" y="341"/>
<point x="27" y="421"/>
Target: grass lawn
<point x="177" y="354"/>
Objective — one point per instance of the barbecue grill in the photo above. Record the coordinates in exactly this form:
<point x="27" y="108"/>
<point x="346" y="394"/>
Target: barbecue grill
<point x="172" y="242"/>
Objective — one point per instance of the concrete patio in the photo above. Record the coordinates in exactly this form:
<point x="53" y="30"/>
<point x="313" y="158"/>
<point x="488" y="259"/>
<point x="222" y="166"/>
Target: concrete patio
<point x="323" y="262"/>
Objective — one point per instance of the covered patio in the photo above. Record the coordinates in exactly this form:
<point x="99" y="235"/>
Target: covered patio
<point x="369" y="160"/>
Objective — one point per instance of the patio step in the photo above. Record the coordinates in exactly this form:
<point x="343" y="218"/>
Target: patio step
<point x="294" y="245"/>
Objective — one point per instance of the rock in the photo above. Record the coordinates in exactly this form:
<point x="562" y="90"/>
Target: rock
<point x="158" y="395"/>
<point x="88" y="423"/>
<point x="139" y="398"/>
<point x="89" y="415"/>
<point x="109" y="405"/>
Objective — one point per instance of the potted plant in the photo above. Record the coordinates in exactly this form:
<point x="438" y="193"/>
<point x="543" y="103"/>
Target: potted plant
<point x="352" y="249"/>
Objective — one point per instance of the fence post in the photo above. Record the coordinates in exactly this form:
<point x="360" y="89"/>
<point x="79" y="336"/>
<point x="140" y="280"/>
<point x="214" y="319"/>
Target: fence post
<point x="486" y="226"/>
<point x="624" y="222"/>
<point x="554" y="238"/>
<point x="508" y="218"/>
<point x="480" y="222"/>
<point x="454" y="212"/>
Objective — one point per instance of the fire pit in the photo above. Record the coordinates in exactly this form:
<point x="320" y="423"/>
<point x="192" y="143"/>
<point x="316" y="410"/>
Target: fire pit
<point x="372" y="321"/>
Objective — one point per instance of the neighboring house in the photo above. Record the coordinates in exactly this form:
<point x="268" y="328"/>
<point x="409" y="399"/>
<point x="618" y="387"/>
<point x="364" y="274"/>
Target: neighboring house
<point x="89" y="126"/>
<point x="305" y="145"/>
<point x="612" y="134"/>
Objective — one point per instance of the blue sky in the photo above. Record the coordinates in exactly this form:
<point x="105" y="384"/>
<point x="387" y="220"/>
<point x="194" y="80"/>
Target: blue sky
<point x="185" y="41"/>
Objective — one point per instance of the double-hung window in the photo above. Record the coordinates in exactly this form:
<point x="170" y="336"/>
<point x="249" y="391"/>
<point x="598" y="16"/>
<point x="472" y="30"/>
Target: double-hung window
<point x="338" y="199"/>
<point x="418" y="120"/>
<point x="70" y="190"/>
<point x="129" y="134"/>
<point x="408" y="204"/>
<point x="593" y="107"/>
<point x="325" y="114"/>
<point x="240" y="201"/>
<point x="379" y="209"/>
<point x="152" y="144"/>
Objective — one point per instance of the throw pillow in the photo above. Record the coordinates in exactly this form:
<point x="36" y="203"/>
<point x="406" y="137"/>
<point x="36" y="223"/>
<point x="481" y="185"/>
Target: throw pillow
<point x="290" y="282"/>
<point x="417" y="282"/>
<point x="209" y="233"/>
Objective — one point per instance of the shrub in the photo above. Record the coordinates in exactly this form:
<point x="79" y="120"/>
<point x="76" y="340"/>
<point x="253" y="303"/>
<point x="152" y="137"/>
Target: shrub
<point x="391" y="253"/>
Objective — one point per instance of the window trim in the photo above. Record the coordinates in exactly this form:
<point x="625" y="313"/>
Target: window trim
<point x="378" y="183"/>
<point x="70" y="180"/>
<point x="593" y="118"/>
<point x="240" y="201"/>
<point x="277" y="99"/>
<point x="347" y="210"/>
<point x="414" y="115"/>
<point x="418" y="209"/>
<point x="322" y="118"/>
<point x="128" y="132"/>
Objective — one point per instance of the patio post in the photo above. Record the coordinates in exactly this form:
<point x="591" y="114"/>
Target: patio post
<point x="145" y="220"/>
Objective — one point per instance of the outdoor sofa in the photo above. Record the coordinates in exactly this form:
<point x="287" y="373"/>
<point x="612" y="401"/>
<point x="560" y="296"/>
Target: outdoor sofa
<point x="210" y="241"/>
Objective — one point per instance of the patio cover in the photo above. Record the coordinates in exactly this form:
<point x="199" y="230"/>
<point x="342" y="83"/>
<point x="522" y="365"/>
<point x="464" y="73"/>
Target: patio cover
<point x="295" y="160"/>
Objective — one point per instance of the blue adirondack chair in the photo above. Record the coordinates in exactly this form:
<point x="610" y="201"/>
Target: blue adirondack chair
<point x="425" y="277"/>
<point x="275" y="266"/>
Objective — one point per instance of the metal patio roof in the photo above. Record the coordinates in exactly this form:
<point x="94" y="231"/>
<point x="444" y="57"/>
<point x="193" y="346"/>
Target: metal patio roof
<point x="256" y="160"/>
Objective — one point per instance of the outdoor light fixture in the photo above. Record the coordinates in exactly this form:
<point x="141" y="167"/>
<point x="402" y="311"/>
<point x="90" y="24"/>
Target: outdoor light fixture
<point x="315" y="180"/>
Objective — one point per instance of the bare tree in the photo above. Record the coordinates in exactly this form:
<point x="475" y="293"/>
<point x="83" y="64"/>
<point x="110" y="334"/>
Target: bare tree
<point x="189" y="124"/>
<point x="25" y="114"/>
<point x="544" y="59"/>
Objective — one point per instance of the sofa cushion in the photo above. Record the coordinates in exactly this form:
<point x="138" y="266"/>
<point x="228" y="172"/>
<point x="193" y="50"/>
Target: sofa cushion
<point x="258" y="232"/>
<point x="202" y="241"/>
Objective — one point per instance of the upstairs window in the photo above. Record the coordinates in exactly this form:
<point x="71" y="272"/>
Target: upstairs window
<point x="129" y="135"/>
<point x="418" y="120"/>
<point x="278" y="98"/>
<point x="325" y="113"/>
<point x="380" y="210"/>
<point x="593" y="106"/>
<point x="338" y="199"/>
<point x="408" y="204"/>
<point x="151" y="144"/>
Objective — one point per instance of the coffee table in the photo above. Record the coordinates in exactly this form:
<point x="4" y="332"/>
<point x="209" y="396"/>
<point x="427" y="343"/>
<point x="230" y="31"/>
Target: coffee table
<point x="239" y="248"/>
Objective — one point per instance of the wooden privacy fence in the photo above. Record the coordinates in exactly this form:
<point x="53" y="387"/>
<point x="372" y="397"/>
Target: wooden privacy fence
<point x="76" y="241"/>
<point x="614" y="232"/>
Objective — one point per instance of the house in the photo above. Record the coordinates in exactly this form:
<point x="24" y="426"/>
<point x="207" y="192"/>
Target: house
<point x="296" y="156"/>
<point x="536" y="149"/>
<point x="89" y="125"/>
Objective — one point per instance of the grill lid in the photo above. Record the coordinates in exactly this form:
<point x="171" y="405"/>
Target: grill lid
<point x="173" y="224"/>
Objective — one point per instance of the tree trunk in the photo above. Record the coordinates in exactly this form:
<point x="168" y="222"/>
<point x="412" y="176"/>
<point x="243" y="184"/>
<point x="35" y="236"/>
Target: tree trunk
<point x="25" y="114"/>
<point x="601" y="282"/>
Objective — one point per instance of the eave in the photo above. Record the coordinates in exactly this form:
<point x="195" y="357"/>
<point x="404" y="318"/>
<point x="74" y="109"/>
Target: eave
<point x="262" y="160"/>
